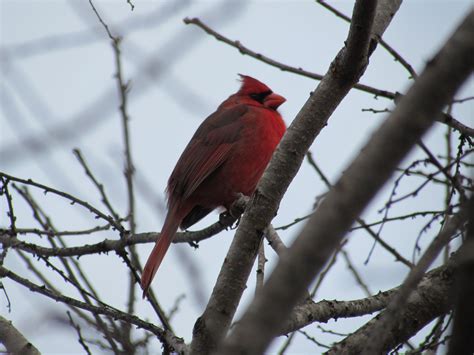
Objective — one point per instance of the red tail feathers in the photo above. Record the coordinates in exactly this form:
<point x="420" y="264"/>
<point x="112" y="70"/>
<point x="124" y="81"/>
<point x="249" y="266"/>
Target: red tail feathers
<point x="161" y="247"/>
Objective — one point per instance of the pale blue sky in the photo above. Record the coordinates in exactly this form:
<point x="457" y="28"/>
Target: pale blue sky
<point x="178" y="76"/>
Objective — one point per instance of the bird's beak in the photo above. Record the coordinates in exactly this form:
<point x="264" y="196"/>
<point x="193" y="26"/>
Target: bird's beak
<point x="273" y="101"/>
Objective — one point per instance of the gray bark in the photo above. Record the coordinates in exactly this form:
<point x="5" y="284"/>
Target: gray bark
<point x="413" y="116"/>
<point x="345" y="71"/>
<point x="14" y="341"/>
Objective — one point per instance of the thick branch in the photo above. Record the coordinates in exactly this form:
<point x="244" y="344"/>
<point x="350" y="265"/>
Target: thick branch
<point x="462" y="341"/>
<point x="14" y="341"/>
<point x="213" y="324"/>
<point x="433" y="288"/>
<point x="385" y="325"/>
<point x="413" y="116"/>
<point x="430" y="300"/>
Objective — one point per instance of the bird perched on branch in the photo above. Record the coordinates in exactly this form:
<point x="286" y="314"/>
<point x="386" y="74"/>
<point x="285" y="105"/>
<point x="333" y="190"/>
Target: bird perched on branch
<point x="226" y="157"/>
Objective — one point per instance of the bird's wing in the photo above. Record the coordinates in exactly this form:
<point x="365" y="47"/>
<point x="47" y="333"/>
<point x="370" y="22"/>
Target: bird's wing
<point x="207" y="150"/>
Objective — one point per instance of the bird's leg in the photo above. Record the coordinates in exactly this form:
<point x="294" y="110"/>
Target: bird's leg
<point x="238" y="207"/>
<point x="226" y="219"/>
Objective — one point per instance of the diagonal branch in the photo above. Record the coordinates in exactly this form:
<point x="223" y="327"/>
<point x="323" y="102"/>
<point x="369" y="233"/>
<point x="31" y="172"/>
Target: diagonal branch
<point x="73" y="200"/>
<point x="445" y="118"/>
<point x="462" y="341"/>
<point x="375" y="164"/>
<point x="434" y="288"/>
<point x="274" y="63"/>
<point x="14" y="341"/>
<point x="429" y="300"/>
<point x="380" y="328"/>
<point x="164" y="335"/>
<point x="341" y="77"/>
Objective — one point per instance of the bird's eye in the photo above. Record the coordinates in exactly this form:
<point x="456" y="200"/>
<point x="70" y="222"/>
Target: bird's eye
<point x="260" y="96"/>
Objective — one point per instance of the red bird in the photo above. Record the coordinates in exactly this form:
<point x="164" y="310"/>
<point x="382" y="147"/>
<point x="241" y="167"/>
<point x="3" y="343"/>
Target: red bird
<point x="226" y="156"/>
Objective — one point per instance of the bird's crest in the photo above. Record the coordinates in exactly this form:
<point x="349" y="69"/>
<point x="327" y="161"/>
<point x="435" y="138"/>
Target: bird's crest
<point x="251" y="85"/>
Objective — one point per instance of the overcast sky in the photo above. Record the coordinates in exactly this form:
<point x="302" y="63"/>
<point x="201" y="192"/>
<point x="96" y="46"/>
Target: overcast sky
<point x="58" y="92"/>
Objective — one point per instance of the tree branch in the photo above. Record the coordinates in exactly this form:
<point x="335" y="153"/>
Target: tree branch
<point x="435" y="286"/>
<point x="360" y="182"/>
<point x="108" y="245"/>
<point x="213" y="324"/>
<point x="14" y="341"/>
<point x="274" y="63"/>
<point x="71" y="198"/>
<point x="430" y="300"/>
<point x="462" y="341"/>
<point x="165" y="336"/>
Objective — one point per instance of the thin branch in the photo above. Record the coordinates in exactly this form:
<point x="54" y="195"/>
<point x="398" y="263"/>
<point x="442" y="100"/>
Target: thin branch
<point x="428" y="301"/>
<point x="11" y="213"/>
<point x="107" y="245"/>
<point x="355" y="273"/>
<point x="432" y="158"/>
<point x="275" y="241"/>
<point x="384" y="44"/>
<point x="460" y="101"/>
<point x="400" y="218"/>
<point x="396" y="306"/>
<point x="459" y="126"/>
<point x="69" y="274"/>
<point x="67" y="196"/>
<point x="49" y="233"/>
<point x="444" y="118"/>
<point x="300" y="71"/>
<point x="163" y="335"/>
<point x="359" y="220"/>
<point x="102" y="21"/>
<point x="79" y="334"/>
<point x="97" y="184"/>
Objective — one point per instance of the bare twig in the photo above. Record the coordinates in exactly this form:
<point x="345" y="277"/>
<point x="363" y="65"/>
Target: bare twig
<point x="97" y="184"/>
<point x="11" y="213"/>
<point x="384" y="44"/>
<point x="247" y="51"/>
<point x="355" y="273"/>
<point x="67" y="196"/>
<point x="359" y="220"/>
<point x="393" y="311"/>
<point x="163" y="335"/>
<point x="274" y="240"/>
<point x="49" y="233"/>
<point x="108" y="245"/>
<point x="80" y="339"/>
<point x="69" y="275"/>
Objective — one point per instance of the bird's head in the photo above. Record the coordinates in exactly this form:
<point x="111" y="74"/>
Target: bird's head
<point x="258" y="92"/>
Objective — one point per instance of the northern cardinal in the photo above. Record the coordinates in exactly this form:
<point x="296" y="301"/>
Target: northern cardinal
<point x="226" y="156"/>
